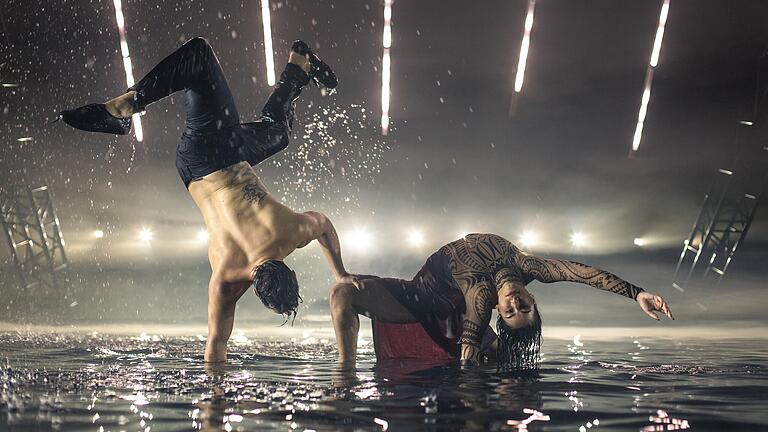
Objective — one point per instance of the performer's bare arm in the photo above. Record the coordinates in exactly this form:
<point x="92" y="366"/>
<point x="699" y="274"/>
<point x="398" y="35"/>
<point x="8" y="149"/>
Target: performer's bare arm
<point x="480" y="300"/>
<point x="318" y="226"/>
<point x="553" y="270"/>
<point x="222" y="298"/>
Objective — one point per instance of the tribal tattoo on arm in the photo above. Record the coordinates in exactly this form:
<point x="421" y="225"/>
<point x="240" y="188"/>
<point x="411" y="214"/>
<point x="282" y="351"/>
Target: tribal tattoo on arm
<point x="480" y="301"/>
<point x="253" y="193"/>
<point x="552" y="270"/>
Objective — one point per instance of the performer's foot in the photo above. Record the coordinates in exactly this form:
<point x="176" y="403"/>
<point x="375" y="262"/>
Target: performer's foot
<point x="96" y="118"/>
<point x="319" y="71"/>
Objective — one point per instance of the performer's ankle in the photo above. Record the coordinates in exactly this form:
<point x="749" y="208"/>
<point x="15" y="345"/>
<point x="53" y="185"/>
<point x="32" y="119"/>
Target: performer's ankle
<point x="299" y="60"/>
<point x="121" y="106"/>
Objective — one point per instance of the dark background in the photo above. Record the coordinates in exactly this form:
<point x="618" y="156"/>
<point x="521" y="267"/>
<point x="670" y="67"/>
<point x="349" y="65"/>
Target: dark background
<point x="454" y="161"/>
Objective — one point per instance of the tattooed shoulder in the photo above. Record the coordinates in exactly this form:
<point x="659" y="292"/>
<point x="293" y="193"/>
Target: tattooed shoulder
<point x="253" y="193"/>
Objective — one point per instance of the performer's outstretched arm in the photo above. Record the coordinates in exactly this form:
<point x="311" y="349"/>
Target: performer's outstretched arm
<point x="553" y="270"/>
<point x="320" y="228"/>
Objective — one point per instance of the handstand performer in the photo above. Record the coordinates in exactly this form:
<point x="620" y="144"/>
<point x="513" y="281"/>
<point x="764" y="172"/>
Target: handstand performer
<point x="454" y="293"/>
<point x="250" y="232"/>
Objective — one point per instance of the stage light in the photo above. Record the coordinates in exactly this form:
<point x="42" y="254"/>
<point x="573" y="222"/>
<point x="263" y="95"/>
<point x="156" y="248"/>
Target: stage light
<point x="202" y="235"/>
<point x="528" y="239"/>
<point x="385" y="66"/>
<point x="359" y="240"/>
<point x="659" y="33"/>
<point x="639" y="241"/>
<point x="266" y="23"/>
<point x="649" y="76"/>
<point x="578" y="239"/>
<point x="145" y="235"/>
<point x="120" y="18"/>
<point x="98" y="234"/>
<point x="415" y="238"/>
<point x="524" y="46"/>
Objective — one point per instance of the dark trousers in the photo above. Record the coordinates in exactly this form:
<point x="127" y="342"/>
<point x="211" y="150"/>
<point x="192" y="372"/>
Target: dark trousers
<point x="214" y="137"/>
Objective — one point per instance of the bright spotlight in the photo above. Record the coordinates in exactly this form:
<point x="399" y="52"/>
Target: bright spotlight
<point x="359" y="240"/>
<point x="578" y="239"/>
<point x="639" y="241"/>
<point x="202" y="235"/>
<point x="415" y="238"/>
<point x="98" y="234"/>
<point x="145" y="235"/>
<point x="528" y="238"/>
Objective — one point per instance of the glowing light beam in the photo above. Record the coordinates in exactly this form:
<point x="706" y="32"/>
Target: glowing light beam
<point x="269" y="55"/>
<point x="120" y="18"/>
<point x="385" y="65"/>
<point x="637" y="137"/>
<point x="524" y="47"/>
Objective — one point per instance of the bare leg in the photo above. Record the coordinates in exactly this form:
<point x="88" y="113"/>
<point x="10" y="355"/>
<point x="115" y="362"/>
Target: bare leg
<point x="373" y="300"/>
<point x="121" y="106"/>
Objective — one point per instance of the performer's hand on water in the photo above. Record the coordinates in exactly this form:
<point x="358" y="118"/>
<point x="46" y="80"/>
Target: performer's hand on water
<point x="651" y="303"/>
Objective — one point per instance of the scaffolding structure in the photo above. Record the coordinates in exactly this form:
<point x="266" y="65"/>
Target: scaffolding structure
<point x="34" y="237"/>
<point x="732" y="201"/>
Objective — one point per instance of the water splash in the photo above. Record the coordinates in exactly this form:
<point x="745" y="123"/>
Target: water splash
<point x="333" y="153"/>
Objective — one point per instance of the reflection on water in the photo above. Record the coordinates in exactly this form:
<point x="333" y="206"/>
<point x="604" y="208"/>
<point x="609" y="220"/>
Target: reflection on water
<point x="152" y="382"/>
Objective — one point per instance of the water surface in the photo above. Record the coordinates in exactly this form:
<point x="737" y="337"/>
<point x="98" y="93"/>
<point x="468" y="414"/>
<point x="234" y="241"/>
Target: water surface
<point x="152" y="382"/>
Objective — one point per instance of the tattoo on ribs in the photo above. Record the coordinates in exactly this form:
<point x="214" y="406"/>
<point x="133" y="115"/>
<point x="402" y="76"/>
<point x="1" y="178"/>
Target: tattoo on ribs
<point x="253" y="193"/>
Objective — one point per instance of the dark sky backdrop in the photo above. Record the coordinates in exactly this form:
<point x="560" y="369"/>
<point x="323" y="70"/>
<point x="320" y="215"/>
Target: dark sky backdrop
<point x="454" y="161"/>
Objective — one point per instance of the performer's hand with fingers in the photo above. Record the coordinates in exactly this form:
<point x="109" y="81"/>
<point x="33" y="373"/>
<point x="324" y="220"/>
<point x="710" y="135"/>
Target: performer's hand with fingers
<point x="357" y="280"/>
<point x="651" y="303"/>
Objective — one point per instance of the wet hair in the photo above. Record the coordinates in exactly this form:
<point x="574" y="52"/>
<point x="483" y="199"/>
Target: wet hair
<point x="518" y="349"/>
<point x="276" y="285"/>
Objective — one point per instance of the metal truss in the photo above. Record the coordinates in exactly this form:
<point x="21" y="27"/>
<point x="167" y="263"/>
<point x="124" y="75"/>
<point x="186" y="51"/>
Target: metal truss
<point x="34" y="237"/>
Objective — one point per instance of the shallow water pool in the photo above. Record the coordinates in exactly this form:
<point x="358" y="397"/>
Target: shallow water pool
<point x="155" y="383"/>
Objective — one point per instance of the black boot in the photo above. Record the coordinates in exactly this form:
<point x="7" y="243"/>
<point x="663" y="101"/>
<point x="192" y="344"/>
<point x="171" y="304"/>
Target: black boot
<point x="319" y="71"/>
<point x="95" y="118"/>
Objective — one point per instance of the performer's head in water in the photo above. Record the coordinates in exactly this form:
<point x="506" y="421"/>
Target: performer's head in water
<point x="518" y="325"/>
<point x="276" y="285"/>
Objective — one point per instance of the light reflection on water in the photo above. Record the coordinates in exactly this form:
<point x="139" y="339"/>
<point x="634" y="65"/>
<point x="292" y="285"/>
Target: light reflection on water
<point x="152" y="382"/>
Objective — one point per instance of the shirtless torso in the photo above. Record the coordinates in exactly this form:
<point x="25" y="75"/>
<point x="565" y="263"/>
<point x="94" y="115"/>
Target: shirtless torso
<point x="242" y="220"/>
<point x="246" y="227"/>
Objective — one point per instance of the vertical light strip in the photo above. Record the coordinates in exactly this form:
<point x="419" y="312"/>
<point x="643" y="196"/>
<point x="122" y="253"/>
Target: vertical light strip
<point x="120" y="18"/>
<point x="523" y="58"/>
<point x="385" y="63"/>
<point x="266" y="22"/>
<point x="649" y="75"/>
